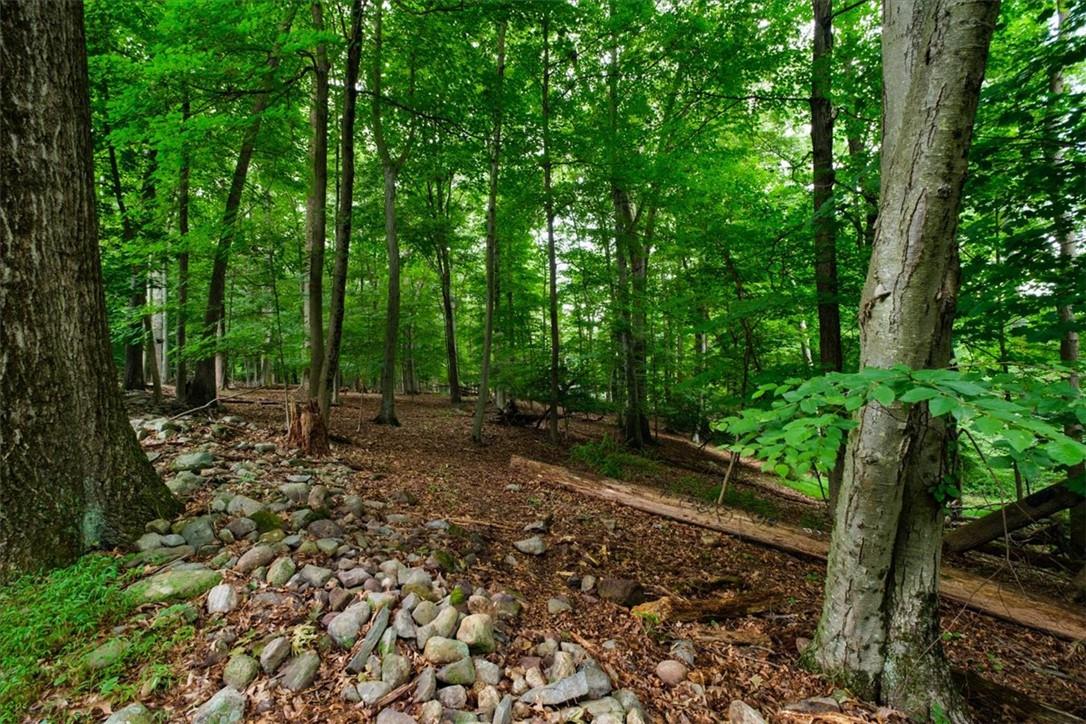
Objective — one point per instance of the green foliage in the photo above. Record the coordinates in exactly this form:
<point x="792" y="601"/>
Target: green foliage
<point x="1020" y="419"/>
<point x="610" y="459"/>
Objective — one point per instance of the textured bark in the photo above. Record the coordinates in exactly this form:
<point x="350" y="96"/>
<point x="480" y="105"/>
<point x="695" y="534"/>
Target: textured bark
<point x="548" y="202"/>
<point x="72" y="475"/>
<point x="181" y="388"/>
<point x="879" y="629"/>
<point x="315" y="216"/>
<point x="491" y="244"/>
<point x="439" y="200"/>
<point x="330" y="359"/>
<point x="133" y="346"/>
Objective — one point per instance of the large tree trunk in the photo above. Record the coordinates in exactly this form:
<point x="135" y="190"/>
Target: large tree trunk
<point x="204" y="386"/>
<point x="72" y="475"/>
<point x="548" y="202"/>
<point x="491" y="245"/>
<point x="315" y="206"/>
<point x="181" y="389"/>
<point x="330" y="360"/>
<point x="879" y="631"/>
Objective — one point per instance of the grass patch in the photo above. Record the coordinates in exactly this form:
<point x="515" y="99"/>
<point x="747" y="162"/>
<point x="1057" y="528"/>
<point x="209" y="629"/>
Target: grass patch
<point x="609" y="459"/>
<point x="49" y="636"/>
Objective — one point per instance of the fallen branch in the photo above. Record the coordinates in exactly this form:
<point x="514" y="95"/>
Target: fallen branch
<point x="718" y="608"/>
<point x="1017" y="515"/>
<point x="956" y="585"/>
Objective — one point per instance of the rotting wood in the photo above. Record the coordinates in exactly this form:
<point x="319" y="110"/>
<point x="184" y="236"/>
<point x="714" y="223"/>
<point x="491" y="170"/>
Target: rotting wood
<point x="959" y="586"/>
<point x="1020" y="707"/>
<point x="716" y="608"/>
<point x="1017" y="515"/>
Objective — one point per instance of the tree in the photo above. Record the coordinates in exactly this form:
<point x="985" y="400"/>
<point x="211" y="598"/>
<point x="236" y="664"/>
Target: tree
<point x="879" y="630"/>
<point x="315" y="204"/>
<point x="72" y="475"/>
<point x="548" y="206"/>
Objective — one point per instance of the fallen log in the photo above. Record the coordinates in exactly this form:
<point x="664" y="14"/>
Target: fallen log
<point x="1015" y="705"/>
<point x="1017" y="515"/>
<point x="968" y="589"/>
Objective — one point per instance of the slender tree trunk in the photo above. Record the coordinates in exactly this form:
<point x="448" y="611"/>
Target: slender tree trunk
<point x="330" y="359"/>
<point x="204" y="388"/>
<point x="491" y="244"/>
<point x="181" y="390"/>
<point x="449" y="313"/>
<point x="72" y="475"/>
<point x="548" y="202"/>
<point x="387" y="415"/>
<point x="879" y="631"/>
<point x="315" y="217"/>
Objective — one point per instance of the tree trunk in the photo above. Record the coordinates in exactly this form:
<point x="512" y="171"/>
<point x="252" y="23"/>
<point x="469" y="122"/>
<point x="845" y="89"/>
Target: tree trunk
<point x="181" y="390"/>
<point x="72" y="475"/>
<point x="204" y="385"/>
<point x="330" y="359"/>
<point x="1030" y="509"/>
<point x="491" y="245"/>
<point x="315" y="206"/>
<point x="449" y="313"/>
<point x="879" y="631"/>
<point x="387" y="414"/>
<point x="552" y="263"/>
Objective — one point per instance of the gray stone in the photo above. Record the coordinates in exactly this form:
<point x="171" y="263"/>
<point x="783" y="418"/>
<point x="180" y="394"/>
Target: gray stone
<point x="300" y="671"/>
<point x="241" y="527"/>
<point x="198" y="532"/>
<point x="556" y="606"/>
<point x="814" y="705"/>
<point x="599" y="683"/>
<point x="387" y="644"/>
<point x="441" y="650"/>
<point x="240" y="671"/>
<point x="445" y="623"/>
<point x="403" y="624"/>
<point x="324" y="528"/>
<point x="477" y="631"/>
<point x="623" y="591"/>
<point x="158" y="525"/>
<point x="430" y="712"/>
<point x="226" y="707"/>
<point x="296" y="491"/>
<point x="243" y="505"/>
<point x="369" y="642"/>
<point x="174" y="584"/>
<point x="562" y="667"/>
<point x="683" y="650"/>
<point x="222" y="599"/>
<point x="370" y="691"/>
<point x="534" y="546"/>
<point x="391" y="716"/>
<point x="107" y="654"/>
<point x="671" y="672"/>
<point x="459" y="672"/>
<point x="173" y="540"/>
<point x="353" y="578"/>
<point x="504" y="713"/>
<point x="426" y="685"/>
<point x="315" y="575"/>
<point x="280" y="571"/>
<point x="395" y="669"/>
<point x="132" y="714"/>
<point x="425" y="612"/>
<point x="453" y="697"/>
<point x="194" y="461"/>
<point x="344" y="628"/>
<point x="739" y="712"/>
<point x="255" y="557"/>
<point x="568" y="689"/>
<point x="487" y="700"/>
<point x="274" y="654"/>
<point x="149" y="541"/>
<point x="328" y="546"/>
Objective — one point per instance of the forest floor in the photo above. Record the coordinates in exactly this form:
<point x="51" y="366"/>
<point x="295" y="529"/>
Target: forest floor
<point x="431" y="470"/>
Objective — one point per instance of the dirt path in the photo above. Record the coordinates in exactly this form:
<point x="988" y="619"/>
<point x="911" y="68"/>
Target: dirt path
<point x="431" y="456"/>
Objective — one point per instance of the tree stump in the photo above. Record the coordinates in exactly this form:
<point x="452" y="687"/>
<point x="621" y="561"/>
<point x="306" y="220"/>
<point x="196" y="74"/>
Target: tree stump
<point x="305" y="427"/>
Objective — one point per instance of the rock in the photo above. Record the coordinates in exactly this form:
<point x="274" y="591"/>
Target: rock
<point x="226" y="707"/>
<point x="445" y="623"/>
<point x="534" y="546"/>
<point x="255" y="557"/>
<point x="556" y="606"/>
<point x="487" y="672"/>
<point x="107" y="654"/>
<point x="265" y="447"/>
<point x="505" y="606"/>
<point x="623" y="591"/>
<point x="300" y="671"/>
<point x="354" y="577"/>
<point x="318" y="497"/>
<point x="315" y="575"/>
<point x="132" y="714"/>
<point x="430" y="712"/>
<point x="459" y="672"/>
<point x="599" y="683"/>
<point x="671" y="672"/>
<point x="328" y="546"/>
<point x="194" y="461"/>
<point x="198" y="532"/>
<point x="683" y="650"/>
<point x="295" y="491"/>
<point x="477" y="631"/>
<point x="274" y="654"/>
<point x="487" y="700"/>
<point x="404" y="624"/>
<point x="149" y="541"/>
<point x="344" y="628"/>
<point x="241" y="527"/>
<point x="572" y="687"/>
<point x="391" y="716"/>
<point x="243" y="505"/>
<point x="325" y="528"/>
<point x="453" y="697"/>
<point x="240" y="671"/>
<point x="441" y="650"/>
<point x="173" y="540"/>
<point x="562" y="667"/>
<point x="370" y="691"/>
<point x="222" y="599"/>
<point x="426" y="685"/>
<point x="174" y="584"/>
<point x="369" y="642"/>
<point x="588" y="583"/>
<point x="814" y="705"/>
<point x="158" y="525"/>
<point x="425" y="612"/>
<point x="739" y="712"/>
<point x="266" y="521"/>
<point x="504" y="713"/>
<point x="395" y="669"/>
<point x="280" y="571"/>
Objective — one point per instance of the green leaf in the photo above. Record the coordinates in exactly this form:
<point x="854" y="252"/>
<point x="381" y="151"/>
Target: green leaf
<point x="883" y="395"/>
<point x="940" y="406"/>
<point x="1018" y="439"/>
<point x="1066" y="451"/>
<point x="918" y="394"/>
